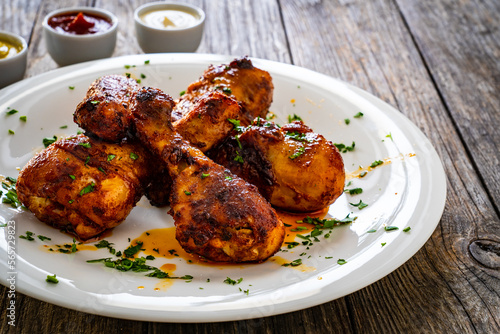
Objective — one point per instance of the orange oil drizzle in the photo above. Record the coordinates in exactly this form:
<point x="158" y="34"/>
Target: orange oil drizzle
<point x="363" y="170"/>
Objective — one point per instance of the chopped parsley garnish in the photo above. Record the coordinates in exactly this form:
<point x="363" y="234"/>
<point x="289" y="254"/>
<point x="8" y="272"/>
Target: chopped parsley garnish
<point x="87" y="189"/>
<point x="376" y="163"/>
<point x="23" y="118"/>
<point x="94" y="102"/>
<point x="106" y="244"/>
<point x="71" y="87"/>
<point x="29" y="236"/>
<point x="361" y="205"/>
<point x="297" y="136"/>
<point x="354" y="191"/>
<point x="11" y="112"/>
<point x="343" y="148"/>
<point x="293" y="117"/>
<point x="358" y="115"/>
<point x="297" y="153"/>
<point x="111" y="157"/>
<point x="188" y="193"/>
<point x="52" y="279"/>
<point x="134" y="156"/>
<point x="146" y="62"/>
<point x="363" y="174"/>
<point x="347" y="121"/>
<point x="72" y="176"/>
<point x="10" y="197"/>
<point x="132" y="250"/>
<point x="128" y="75"/>
<point x="86" y="145"/>
<point x="407" y="229"/>
<point x="371" y="231"/>
<point x="143" y="76"/>
<point x="232" y="281"/>
<point x="341" y="261"/>
<point x="239" y="158"/>
<point x="294" y="263"/>
<point x="63" y="127"/>
<point x="391" y="228"/>
<point x="47" y="141"/>
<point x="11" y="132"/>
<point x="182" y="93"/>
<point x="227" y="90"/>
<point x="389" y="136"/>
<point x="383" y="244"/>
<point x="203" y="175"/>
<point x="229" y="178"/>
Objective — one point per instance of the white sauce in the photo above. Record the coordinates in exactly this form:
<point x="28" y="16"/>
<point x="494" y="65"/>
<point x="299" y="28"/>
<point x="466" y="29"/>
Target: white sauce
<point x="169" y="19"/>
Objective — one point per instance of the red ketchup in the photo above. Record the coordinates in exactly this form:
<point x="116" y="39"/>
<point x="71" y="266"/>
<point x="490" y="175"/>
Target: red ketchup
<point x="79" y="23"/>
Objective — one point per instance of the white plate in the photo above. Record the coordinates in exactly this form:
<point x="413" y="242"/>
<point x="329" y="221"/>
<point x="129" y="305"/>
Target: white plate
<point x="407" y="192"/>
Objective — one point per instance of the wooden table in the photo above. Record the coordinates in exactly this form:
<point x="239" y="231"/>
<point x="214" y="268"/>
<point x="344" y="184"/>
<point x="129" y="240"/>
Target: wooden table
<point x="438" y="62"/>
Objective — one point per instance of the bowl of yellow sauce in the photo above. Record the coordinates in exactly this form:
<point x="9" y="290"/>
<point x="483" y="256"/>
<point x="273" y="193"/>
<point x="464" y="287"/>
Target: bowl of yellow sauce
<point x="13" y="56"/>
<point x="169" y="27"/>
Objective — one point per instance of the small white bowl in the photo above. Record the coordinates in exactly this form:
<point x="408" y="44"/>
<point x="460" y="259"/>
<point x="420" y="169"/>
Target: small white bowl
<point x="68" y="49"/>
<point x="155" y="39"/>
<point x="12" y="68"/>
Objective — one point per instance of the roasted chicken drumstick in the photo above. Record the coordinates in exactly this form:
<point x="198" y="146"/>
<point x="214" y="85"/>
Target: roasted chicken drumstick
<point x="217" y="215"/>
<point x="83" y="185"/>
<point x="294" y="168"/>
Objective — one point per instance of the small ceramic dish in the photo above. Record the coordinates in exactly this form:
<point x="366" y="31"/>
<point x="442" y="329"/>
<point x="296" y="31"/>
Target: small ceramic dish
<point x="70" y="40"/>
<point x="169" y="27"/>
<point x="14" y="51"/>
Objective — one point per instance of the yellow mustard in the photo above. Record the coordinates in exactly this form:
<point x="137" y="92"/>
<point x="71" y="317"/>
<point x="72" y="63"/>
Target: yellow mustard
<point x="8" y="49"/>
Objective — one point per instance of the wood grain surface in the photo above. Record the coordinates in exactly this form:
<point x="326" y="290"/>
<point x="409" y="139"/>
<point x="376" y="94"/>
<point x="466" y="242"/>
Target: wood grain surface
<point x="438" y="62"/>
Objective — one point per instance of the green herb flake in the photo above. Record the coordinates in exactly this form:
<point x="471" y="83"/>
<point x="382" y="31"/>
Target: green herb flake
<point x="47" y="141"/>
<point x="203" y="175"/>
<point x="72" y="176"/>
<point x="111" y="157"/>
<point x="128" y="75"/>
<point x="347" y="121"/>
<point x="71" y="87"/>
<point x="293" y="117"/>
<point x="407" y="229"/>
<point x="86" y="145"/>
<point x="363" y="174"/>
<point x="239" y="158"/>
<point x="12" y="112"/>
<point x="354" y="191"/>
<point x="232" y="281"/>
<point x="297" y="153"/>
<point x="376" y="163"/>
<point x="341" y="261"/>
<point x="11" y="132"/>
<point x="227" y="90"/>
<point x="344" y="148"/>
<point x="52" y="279"/>
<point x="94" y="102"/>
<point x="23" y="118"/>
<point x="132" y="250"/>
<point x="358" y="115"/>
<point x="134" y="156"/>
<point x="63" y="127"/>
<point x="29" y="236"/>
<point x="87" y="189"/>
<point x="188" y="193"/>
<point x="146" y="62"/>
<point x="361" y="205"/>
<point x="371" y="231"/>
<point x="294" y="263"/>
<point x="383" y="244"/>
<point x="391" y="228"/>
<point x="182" y="93"/>
<point x="389" y="136"/>
<point x="143" y="76"/>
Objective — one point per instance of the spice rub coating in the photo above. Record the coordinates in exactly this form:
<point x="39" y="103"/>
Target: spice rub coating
<point x="83" y="185"/>
<point x="250" y="86"/>
<point x="217" y="215"/>
<point x="294" y="168"/>
<point x="105" y="110"/>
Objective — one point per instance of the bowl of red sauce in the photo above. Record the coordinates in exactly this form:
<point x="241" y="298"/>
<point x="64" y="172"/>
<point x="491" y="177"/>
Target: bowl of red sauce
<point x="78" y="34"/>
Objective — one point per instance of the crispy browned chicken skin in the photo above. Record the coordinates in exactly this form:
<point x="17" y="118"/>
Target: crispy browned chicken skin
<point x="250" y="86"/>
<point x="84" y="186"/>
<point x="217" y="215"/>
<point x="104" y="112"/>
<point x="294" y="168"/>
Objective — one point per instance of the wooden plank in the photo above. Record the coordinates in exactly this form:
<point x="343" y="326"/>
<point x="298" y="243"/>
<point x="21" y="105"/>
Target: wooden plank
<point x="368" y="44"/>
<point x="462" y="52"/>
